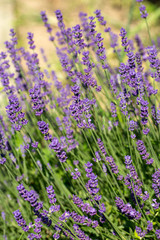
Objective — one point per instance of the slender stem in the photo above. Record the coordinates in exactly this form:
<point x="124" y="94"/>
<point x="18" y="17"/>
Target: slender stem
<point x="148" y="30"/>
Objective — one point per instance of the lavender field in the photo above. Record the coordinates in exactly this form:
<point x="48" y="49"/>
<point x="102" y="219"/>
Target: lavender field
<point x="80" y="136"/>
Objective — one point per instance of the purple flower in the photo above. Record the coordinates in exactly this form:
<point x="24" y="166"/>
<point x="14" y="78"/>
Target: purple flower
<point x="143" y="152"/>
<point x="112" y="164"/>
<point x="3" y="215"/>
<point x="132" y="181"/>
<point x="101" y="53"/>
<point x="87" y="77"/>
<point x="72" y="143"/>
<point x="80" y="109"/>
<point x="140" y="232"/>
<point x="128" y="161"/>
<point x="61" y="24"/>
<point x="44" y="128"/>
<point x="37" y="100"/>
<point x="77" y="34"/>
<point x="132" y="125"/>
<point x="144" y="111"/>
<point x="76" y="174"/>
<point x="41" y="217"/>
<point x="127" y="209"/>
<point x="14" y="113"/>
<point x="114" y="39"/>
<point x="98" y="158"/>
<point x="79" y="233"/>
<point x="51" y="195"/>
<point x="54" y="208"/>
<point x="102" y="208"/>
<point x="19" y="219"/>
<point x="157" y="232"/>
<point x="143" y="11"/>
<point x="47" y="25"/>
<point x="100" y="17"/>
<point x="154" y="62"/>
<point x="101" y="147"/>
<point x="149" y="226"/>
<point x="64" y="216"/>
<point x="124" y="39"/>
<point x="85" y="207"/>
<point x="156" y="182"/>
<point x="56" y="236"/>
<point x="56" y="146"/>
<point x="146" y="131"/>
<point x="155" y="205"/>
<point x="31" y="42"/>
<point x="2" y="160"/>
<point x="113" y="110"/>
<point x="34" y="144"/>
<point x="83" y="220"/>
<point x="30" y="196"/>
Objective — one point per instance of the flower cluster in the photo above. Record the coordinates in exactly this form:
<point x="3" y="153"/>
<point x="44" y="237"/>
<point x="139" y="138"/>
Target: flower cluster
<point x="46" y="24"/>
<point x="30" y="196"/>
<point x="19" y="219"/>
<point x="91" y="136"/>
<point x="86" y="207"/>
<point x="15" y="114"/>
<point x="143" y="152"/>
<point x="37" y="100"/>
<point x="156" y="184"/>
<point x="51" y="194"/>
<point x="127" y="209"/>
<point x="60" y="153"/>
<point x="44" y="128"/>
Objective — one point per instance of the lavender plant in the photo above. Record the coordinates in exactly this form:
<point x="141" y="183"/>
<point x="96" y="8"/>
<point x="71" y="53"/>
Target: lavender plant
<point x="80" y="155"/>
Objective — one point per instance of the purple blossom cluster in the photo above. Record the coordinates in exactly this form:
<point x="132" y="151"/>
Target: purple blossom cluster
<point x="80" y="109"/>
<point x="127" y="209"/>
<point x="44" y="128"/>
<point x="132" y="127"/>
<point x="79" y="233"/>
<point x="132" y="180"/>
<point x="19" y="219"/>
<point x="100" y="17"/>
<point x="51" y="196"/>
<point x="87" y="78"/>
<point x="30" y="196"/>
<point x="31" y="42"/>
<point x="85" y="207"/>
<point x="60" y="153"/>
<point x="77" y="34"/>
<point x="96" y="100"/>
<point x="143" y="152"/>
<point x="37" y="100"/>
<point x="41" y="217"/>
<point x="46" y="24"/>
<point x="113" y="110"/>
<point x="143" y="11"/>
<point x="140" y="232"/>
<point x="84" y="220"/>
<point x="72" y="143"/>
<point x="112" y="164"/>
<point x="156" y="114"/>
<point x="76" y="174"/>
<point x="101" y="147"/>
<point x="92" y="184"/>
<point x="108" y="159"/>
<point x="15" y="114"/>
<point x="156" y="184"/>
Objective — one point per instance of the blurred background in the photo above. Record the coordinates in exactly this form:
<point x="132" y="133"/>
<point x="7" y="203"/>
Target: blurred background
<point x="24" y="16"/>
